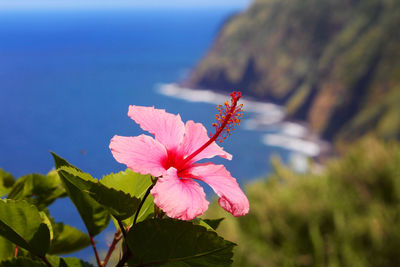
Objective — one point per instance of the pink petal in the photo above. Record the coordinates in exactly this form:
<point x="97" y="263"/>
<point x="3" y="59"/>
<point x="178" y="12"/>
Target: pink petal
<point x="232" y="198"/>
<point x="179" y="198"/>
<point x="195" y="137"/>
<point x="142" y="153"/>
<point x="167" y="128"/>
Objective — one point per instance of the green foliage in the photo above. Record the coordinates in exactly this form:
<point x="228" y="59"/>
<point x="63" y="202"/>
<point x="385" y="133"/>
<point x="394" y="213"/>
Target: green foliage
<point x="6" y="182"/>
<point x="210" y="224"/>
<point x="213" y="223"/>
<point x="29" y="236"/>
<point x="38" y="189"/>
<point x="120" y="204"/>
<point x="134" y="184"/>
<point x="6" y="248"/>
<point x="345" y="215"/>
<point x="95" y="216"/>
<point x="22" y="224"/>
<point x="163" y="242"/>
<point x="22" y="262"/>
<point x="328" y="61"/>
<point x="68" y="239"/>
<point x="67" y="262"/>
<point x="53" y="260"/>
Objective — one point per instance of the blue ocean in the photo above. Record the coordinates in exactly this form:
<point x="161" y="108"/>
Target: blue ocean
<point x="68" y="77"/>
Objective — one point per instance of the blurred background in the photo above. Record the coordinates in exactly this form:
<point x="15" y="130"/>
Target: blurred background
<point x="318" y="148"/>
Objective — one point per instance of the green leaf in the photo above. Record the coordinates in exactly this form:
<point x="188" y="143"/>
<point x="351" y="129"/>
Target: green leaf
<point x="22" y="224"/>
<point x="134" y="184"/>
<point x="129" y="182"/>
<point x="53" y="260"/>
<point x="120" y="204"/>
<point x="6" y="248"/>
<point x="59" y="190"/>
<point x="6" y="182"/>
<point x="177" y="243"/>
<point x="213" y="223"/>
<point x="22" y="262"/>
<point x="94" y="215"/>
<point x="67" y="262"/>
<point x="74" y="262"/>
<point x="38" y="189"/>
<point x="68" y="239"/>
<point x="201" y="222"/>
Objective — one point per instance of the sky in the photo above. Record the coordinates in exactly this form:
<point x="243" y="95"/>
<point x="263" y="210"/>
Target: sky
<point x="75" y="4"/>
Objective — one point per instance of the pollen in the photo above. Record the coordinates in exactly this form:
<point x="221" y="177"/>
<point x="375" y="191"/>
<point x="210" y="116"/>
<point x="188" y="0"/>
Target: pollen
<point x="229" y="115"/>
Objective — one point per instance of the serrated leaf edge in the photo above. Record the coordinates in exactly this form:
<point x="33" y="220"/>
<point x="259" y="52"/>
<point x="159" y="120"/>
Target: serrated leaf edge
<point x="93" y="180"/>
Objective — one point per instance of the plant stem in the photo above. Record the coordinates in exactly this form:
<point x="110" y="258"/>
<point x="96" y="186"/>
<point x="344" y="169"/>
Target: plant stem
<point x="115" y="241"/>
<point x="142" y="202"/>
<point x="127" y="253"/>
<point x="121" y="226"/>
<point x="46" y="261"/>
<point x="124" y="258"/>
<point x="95" y="252"/>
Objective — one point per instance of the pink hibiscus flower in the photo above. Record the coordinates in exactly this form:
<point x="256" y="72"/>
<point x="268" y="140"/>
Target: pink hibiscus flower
<point x="172" y="154"/>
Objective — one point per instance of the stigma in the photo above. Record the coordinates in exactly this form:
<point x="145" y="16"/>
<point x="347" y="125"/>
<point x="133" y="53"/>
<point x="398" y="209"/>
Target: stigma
<point x="229" y="115"/>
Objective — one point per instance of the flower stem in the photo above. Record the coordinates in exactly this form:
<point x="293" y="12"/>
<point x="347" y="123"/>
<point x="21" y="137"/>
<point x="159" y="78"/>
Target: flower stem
<point x="95" y="252"/>
<point x="124" y="259"/>
<point x="228" y="116"/>
<point x="121" y="226"/>
<point x="46" y="261"/>
<point x="127" y="253"/>
<point x="142" y="202"/>
<point x="115" y="241"/>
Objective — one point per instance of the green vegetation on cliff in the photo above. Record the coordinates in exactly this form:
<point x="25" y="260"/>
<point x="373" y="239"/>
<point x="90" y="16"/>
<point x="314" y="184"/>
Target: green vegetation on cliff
<point x="333" y="63"/>
<point x="346" y="215"/>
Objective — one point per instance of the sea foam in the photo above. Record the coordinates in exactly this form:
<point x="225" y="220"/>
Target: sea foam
<point x="265" y="117"/>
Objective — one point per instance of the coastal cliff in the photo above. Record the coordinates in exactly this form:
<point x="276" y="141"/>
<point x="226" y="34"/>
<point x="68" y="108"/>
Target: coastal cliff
<point x="332" y="63"/>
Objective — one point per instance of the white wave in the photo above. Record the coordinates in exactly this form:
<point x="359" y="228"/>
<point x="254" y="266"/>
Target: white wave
<point x="299" y="162"/>
<point x="266" y="116"/>
<point x="305" y="147"/>
<point x="294" y="129"/>
<point x="208" y="96"/>
<point x="262" y="122"/>
<point x="266" y="113"/>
